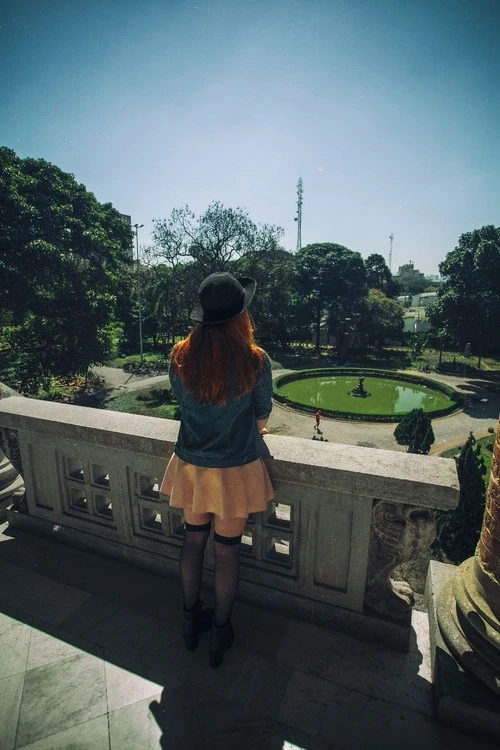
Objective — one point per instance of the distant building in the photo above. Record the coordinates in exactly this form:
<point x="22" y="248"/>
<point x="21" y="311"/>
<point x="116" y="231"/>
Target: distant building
<point x="409" y="278"/>
<point x="423" y="299"/>
<point x="415" y="316"/>
<point x="416" y="321"/>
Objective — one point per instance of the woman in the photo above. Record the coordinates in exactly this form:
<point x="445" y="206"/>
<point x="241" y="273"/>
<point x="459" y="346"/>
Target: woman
<point x="222" y="381"/>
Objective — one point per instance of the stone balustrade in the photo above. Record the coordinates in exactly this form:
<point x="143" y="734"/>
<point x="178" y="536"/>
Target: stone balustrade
<point x="344" y="516"/>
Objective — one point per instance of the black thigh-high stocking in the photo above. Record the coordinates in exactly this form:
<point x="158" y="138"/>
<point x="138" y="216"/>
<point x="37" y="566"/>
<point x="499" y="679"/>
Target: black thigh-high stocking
<point x="227" y="570"/>
<point x="191" y="562"/>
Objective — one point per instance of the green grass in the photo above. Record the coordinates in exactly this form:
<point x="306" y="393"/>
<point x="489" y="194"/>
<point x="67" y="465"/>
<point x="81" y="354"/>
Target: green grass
<point x="132" y="362"/>
<point x="155" y="401"/>
<point x="485" y="444"/>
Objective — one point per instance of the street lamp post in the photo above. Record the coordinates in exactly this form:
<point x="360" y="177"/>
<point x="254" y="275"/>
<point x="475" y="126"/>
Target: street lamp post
<point x="137" y="227"/>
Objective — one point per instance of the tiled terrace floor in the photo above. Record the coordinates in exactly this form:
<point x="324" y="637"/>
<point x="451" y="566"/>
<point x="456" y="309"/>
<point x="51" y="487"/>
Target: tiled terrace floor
<point x="91" y="657"/>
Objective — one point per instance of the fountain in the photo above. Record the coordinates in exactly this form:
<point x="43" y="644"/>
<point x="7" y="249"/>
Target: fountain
<point x="391" y="395"/>
<point x="360" y="390"/>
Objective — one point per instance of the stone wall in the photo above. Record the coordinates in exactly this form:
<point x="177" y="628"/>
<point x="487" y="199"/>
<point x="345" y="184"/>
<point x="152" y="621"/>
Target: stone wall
<point x="344" y="516"/>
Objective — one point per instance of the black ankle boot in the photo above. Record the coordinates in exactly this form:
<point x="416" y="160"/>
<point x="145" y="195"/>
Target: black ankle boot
<point x="220" y="640"/>
<point x="196" y="620"/>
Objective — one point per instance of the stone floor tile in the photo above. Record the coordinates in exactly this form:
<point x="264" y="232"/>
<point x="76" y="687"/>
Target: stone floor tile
<point x="258" y="630"/>
<point x="59" y="695"/>
<point x="253" y="681"/>
<point x="92" y="611"/>
<point x="37" y="595"/>
<point x="46" y="648"/>
<point x="14" y="645"/>
<point x="126" y="683"/>
<point x="11" y="690"/>
<point x="146" y="640"/>
<point x="166" y="721"/>
<point x="291" y="739"/>
<point x="352" y="720"/>
<point x="360" y="665"/>
<point x="228" y="725"/>
<point x="91" y="735"/>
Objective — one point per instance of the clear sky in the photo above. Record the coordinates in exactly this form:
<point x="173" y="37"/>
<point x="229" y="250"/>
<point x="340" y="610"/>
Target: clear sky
<point x="388" y="109"/>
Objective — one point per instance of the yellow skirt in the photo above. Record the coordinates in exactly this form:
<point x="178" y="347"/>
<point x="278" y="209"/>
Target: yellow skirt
<point x="233" y="492"/>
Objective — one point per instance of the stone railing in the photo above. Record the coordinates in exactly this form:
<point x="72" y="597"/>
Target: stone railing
<point x="344" y="516"/>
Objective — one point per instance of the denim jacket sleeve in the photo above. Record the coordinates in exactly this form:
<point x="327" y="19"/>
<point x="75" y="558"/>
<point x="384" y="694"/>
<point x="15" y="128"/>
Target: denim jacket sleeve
<point x="263" y="394"/>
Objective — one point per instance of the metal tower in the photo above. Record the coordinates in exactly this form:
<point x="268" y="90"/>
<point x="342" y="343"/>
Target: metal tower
<point x="391" y="237"/>
<point x="298" y="218"/>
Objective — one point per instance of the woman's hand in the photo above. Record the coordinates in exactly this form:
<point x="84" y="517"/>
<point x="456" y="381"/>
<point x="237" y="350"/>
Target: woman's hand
<point x="261" y="426"/>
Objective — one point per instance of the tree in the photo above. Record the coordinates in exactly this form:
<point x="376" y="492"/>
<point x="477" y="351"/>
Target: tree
<point x="63" y="257"/>
<point x="415" y="431"/>
<point x="332" y="279"/>
<point x="220" y="239"/>
<point x="380" y="317"/>
<point x="217" y="237"/>
<point x="274" y="306"/>
<point x="458" y="530"/>
<point x="468" y="303"/>
<point x="378" y="275"/>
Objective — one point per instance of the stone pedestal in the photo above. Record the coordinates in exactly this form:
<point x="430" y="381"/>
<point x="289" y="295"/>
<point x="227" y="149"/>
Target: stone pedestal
<point x="468" y="604"/>
<point x="459" y="698"/>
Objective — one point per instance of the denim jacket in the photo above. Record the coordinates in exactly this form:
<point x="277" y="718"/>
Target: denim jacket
<point x="222" y="436"/>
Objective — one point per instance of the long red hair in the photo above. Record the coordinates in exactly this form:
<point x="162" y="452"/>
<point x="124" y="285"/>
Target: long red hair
<point x="214" y="361"/>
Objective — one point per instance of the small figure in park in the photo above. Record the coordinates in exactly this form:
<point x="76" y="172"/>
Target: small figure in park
<point x="318" y="419"/>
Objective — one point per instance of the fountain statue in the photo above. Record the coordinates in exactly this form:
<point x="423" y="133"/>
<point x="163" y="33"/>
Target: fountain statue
<point x="360" y="390"/>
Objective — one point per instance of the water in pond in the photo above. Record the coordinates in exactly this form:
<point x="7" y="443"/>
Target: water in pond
<point x="388" y="395"/>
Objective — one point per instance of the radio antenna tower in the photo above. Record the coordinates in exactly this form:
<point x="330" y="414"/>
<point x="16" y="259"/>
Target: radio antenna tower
<point x="298" y="218"/>
<point x="391" y="237"/>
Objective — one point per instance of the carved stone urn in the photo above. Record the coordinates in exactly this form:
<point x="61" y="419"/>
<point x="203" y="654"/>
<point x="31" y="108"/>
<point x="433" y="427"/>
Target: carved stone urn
<point x="468" y="607"/>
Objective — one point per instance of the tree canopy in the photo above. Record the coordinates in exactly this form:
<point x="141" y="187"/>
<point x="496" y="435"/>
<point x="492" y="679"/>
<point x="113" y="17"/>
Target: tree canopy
<point x="415" y="431"/>
<point x="378" y="275"/>
<point x="380" y="317"/>
<point x="332" y="279"/>
<point x="63" y="256"/>
<point x="459" y="529"/>
<point x="468" y="304"/>
<point x="215" y="238"/>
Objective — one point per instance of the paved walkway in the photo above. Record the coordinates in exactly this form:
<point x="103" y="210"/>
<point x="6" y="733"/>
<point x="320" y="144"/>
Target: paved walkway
<point x="449" y="432"/>
<point x="92" y="659"/>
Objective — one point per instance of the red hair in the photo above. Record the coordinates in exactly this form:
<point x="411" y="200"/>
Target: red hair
<point x="214" y="361"/>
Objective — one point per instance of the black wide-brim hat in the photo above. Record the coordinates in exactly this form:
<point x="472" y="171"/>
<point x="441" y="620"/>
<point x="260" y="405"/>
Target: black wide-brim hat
<point x="222" y="297"/>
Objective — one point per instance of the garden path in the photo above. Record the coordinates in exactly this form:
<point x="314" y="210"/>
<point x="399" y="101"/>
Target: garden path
<point x="449" y="432"/>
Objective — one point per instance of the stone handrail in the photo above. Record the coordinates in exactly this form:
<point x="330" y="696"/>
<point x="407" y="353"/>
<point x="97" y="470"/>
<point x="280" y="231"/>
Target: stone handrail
<point x="344" y="516"/>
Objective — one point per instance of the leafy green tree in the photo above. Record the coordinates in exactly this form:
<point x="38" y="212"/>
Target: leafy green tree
<point x="458" y="530"/>
<point x="63" y="257"/>
<point x="380" y="317"/>
<point x="468" y="304"/>
<point x="332" y="279"/>
<point x="416" y="344"/>
<point x="220" y="239"/>
<point x="215" y="238"/>
<point x="415" y="431"/>
<point x="274" y="307"/>
<point x="378" y="275"/>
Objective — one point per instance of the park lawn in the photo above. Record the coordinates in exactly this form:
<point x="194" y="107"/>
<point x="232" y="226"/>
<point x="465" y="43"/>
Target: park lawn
<point x="155" y="401"/>
<point x="486" y="453"/>
<point x="132" y="362"/>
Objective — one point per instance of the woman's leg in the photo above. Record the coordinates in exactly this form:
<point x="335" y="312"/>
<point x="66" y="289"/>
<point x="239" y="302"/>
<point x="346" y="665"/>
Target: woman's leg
<point x="227" y="538"/>
<point x="193" y="550"/>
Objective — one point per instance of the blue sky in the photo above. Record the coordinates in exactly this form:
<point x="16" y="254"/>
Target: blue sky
<point x="388" y="109"/>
